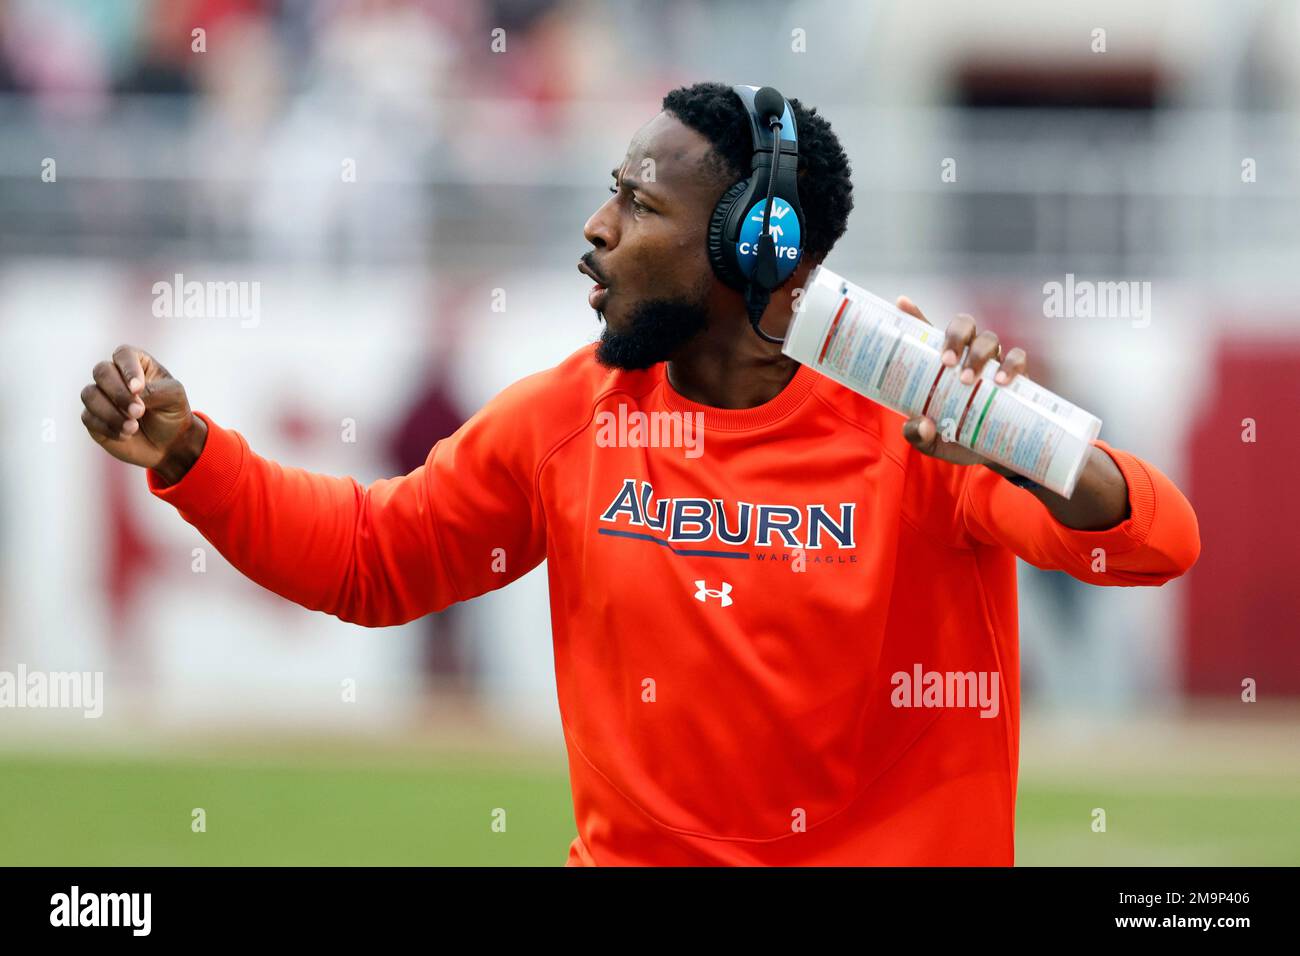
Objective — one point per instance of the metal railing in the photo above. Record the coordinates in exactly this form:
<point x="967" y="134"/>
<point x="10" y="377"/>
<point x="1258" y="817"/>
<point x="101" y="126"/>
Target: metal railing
<point x="1035" y="191"/>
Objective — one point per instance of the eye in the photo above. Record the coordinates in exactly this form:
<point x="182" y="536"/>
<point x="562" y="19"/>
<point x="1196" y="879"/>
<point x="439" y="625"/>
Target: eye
<point x="638" y="207"/>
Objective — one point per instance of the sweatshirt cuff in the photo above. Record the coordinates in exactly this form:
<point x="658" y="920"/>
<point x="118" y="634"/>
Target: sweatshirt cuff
<point x="1133" y="531"/>
<point x="212" y="477"/>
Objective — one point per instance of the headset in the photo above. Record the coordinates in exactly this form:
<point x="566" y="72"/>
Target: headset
<point x="756" y="231"/>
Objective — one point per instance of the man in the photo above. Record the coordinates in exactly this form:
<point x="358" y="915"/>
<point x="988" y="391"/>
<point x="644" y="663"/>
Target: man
<point x="746" y="627"/>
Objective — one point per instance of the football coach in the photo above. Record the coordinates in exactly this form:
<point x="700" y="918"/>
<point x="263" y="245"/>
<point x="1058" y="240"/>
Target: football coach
<point x="794" y="643"/>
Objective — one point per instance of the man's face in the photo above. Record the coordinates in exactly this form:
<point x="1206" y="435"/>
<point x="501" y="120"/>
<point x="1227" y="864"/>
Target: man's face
<point x="650" y="240"/>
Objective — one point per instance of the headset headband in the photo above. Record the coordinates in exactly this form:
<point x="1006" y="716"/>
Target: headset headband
<point x="762" y="136"/>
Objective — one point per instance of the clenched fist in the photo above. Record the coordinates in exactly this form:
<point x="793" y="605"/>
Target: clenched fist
<point x="139" y="414"/>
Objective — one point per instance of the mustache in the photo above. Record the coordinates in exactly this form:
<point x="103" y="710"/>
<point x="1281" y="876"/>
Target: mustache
<point x="591" y="264"/>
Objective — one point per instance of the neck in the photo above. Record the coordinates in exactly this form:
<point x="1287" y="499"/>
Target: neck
<point x="731" y="367"/>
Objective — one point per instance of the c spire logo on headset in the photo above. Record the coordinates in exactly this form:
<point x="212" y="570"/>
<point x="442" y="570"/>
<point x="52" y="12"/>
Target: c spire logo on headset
<point x="784" y="228"/>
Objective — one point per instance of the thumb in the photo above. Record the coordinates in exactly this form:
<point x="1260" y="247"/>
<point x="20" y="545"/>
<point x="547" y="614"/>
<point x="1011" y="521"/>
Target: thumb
<point x="921" y="434"/>
<point x="911" y="308"/>
<point x="162" y="394"/>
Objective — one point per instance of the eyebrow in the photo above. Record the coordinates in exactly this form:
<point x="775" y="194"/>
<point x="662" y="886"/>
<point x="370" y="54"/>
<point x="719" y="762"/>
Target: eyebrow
<point x="629" y="183"/>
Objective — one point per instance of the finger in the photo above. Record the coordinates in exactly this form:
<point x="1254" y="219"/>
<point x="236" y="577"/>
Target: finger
<point x="109" y="379"/>
<point x="921" y="433"/>
<point x="102" y="407"/>
<point x="98" y="429"/>
<point x="982" y="348"/>
<point x="911" y="308"/>
<point x="1013" y="365"/>
<point x="127" y="360"/>
<point x="957" y="337"/>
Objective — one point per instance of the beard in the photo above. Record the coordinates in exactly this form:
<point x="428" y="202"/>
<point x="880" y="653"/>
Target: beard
<point x="656" y="331"/>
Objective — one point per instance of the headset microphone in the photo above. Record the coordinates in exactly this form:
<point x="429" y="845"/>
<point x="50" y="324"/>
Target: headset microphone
<point x="743" y="241"/>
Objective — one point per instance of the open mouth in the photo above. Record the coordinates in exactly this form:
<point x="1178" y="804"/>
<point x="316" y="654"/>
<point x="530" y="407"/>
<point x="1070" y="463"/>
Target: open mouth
<point x="599" y="292"/>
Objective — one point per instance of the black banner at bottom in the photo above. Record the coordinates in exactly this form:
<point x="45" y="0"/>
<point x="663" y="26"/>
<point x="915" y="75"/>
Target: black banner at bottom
<point x="340" y="905"/>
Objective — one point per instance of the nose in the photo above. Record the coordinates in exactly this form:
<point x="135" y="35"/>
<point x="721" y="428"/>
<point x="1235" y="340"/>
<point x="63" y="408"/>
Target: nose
<point x="601" y="229"/>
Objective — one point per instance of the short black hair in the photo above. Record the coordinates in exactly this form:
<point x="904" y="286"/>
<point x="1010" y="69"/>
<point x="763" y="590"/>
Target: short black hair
<point x="825" y="189"/>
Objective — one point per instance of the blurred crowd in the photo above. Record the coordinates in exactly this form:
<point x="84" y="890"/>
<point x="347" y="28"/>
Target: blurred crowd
<point x="231" y="122"/>
<point x="397" y="50"/>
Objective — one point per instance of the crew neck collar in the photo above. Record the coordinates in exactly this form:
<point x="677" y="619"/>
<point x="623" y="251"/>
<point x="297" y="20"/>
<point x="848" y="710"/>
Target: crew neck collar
<point x="740" y="419"/>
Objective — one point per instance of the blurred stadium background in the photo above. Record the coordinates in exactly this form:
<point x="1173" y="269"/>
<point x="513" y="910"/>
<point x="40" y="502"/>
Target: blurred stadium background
<point x="1171" y="156"/>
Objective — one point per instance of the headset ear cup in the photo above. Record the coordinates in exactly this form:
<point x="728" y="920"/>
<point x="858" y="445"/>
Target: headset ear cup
<point x="723" y="259"/>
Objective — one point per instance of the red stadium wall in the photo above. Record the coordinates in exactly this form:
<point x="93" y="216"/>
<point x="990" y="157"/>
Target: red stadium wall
<point x="1243" y="605"/>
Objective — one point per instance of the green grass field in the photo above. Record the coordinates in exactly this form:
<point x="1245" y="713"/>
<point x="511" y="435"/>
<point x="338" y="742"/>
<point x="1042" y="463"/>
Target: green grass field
<point x="138" y="812"/>
<point x="437" y="810"/>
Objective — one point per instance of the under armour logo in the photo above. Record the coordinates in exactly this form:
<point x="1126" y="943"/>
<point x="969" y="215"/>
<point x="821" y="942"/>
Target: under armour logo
<point x="703" y="594"/>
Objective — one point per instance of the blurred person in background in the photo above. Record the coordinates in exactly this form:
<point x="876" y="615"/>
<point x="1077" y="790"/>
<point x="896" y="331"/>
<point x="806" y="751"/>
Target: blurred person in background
<point x="434" y="414"/>
<point x="164" y="60"/>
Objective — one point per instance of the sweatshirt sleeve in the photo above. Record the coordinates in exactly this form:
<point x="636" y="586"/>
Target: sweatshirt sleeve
<point x="1157" y="542"/>
<point x="465" y="522"/>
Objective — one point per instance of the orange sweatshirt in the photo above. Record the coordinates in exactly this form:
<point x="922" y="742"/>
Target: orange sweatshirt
<point x="791" y="639"/>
